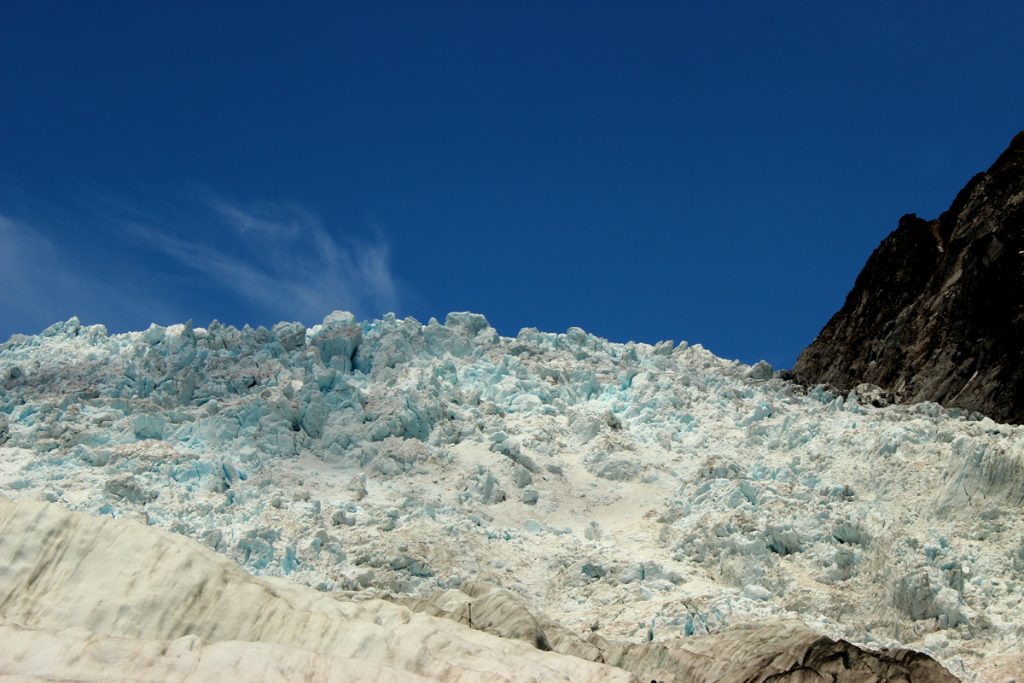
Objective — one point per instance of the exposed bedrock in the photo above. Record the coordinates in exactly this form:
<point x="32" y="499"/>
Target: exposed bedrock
<point x="937" y="313"/>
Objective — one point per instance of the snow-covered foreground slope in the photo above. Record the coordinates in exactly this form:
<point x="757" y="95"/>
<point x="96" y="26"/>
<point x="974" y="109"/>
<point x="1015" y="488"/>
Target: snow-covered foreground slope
<point x="72" y="586"/>
<point x="628" y="492"/>
<point x="91" y="598"/>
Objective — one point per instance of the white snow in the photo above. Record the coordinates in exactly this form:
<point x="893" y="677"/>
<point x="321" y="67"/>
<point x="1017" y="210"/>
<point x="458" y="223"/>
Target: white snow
<point x="88" y="598"/>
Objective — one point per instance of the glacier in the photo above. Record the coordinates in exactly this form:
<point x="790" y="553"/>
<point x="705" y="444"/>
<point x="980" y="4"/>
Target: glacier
<point x="634" y="493"/>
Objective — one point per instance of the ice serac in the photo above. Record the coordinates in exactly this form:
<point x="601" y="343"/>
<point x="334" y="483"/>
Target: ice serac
<point x="937" y="314"/>
<point x="623" y="501"/>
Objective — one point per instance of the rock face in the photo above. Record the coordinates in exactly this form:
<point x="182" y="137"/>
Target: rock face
<point x="937" y="314"/>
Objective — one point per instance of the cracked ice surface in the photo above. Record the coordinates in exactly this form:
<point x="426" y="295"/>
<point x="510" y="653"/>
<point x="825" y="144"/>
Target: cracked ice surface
<point x="646" y="492"/>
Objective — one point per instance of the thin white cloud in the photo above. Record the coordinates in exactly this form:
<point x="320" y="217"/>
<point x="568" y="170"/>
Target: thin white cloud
<point x="282" y="259"/>
<point x="40" y="283"/>
<point x="277" y="257"/>
<point x="272" y="222"/>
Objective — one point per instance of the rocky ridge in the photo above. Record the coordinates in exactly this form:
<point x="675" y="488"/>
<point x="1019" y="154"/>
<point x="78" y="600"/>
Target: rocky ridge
<point x="937" y="314"/>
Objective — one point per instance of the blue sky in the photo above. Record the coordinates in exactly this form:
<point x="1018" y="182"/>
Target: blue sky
<point x="715" y="172"/>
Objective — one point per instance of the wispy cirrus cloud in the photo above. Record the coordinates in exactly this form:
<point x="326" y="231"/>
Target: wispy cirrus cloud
<point x="280" y="258"/>
<point x="131" y="263"/>
<point x="41" y="282"/>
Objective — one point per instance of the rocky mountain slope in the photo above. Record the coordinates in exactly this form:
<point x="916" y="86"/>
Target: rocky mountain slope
<point x="625" y="504"/>
<point x="937" y="314"/>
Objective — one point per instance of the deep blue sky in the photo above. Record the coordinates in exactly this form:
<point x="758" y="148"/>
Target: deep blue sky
<point x="715" y="172"/>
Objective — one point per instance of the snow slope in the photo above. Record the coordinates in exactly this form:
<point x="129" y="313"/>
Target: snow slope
<point x="81" y="582"/>
<point x="629" y="491"/>
<point x="90" y="598"/>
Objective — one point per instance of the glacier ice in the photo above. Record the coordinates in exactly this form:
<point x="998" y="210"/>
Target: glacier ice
<point x="89" y="599"/>
<point x="616" y="484"/>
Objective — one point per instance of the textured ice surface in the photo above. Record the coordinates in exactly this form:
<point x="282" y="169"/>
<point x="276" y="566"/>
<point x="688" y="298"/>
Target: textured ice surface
<point x="85" y="598"/>
<point x="94" y="598"/>
<point x="643" y="492"/>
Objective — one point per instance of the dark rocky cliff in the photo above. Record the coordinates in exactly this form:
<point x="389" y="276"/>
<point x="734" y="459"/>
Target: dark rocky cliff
<point x="937" y="314"/>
